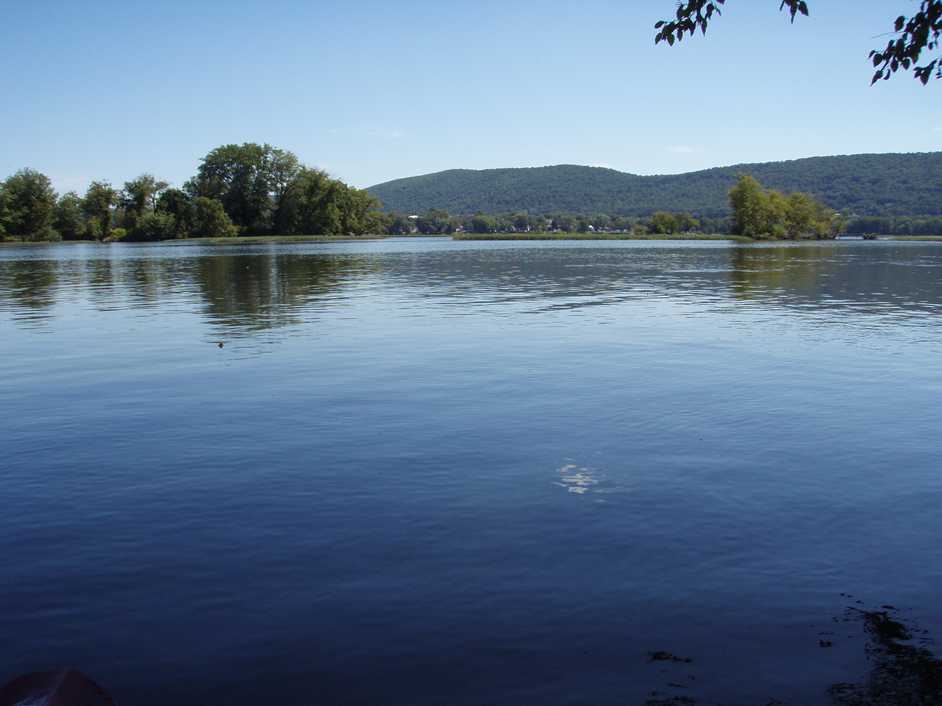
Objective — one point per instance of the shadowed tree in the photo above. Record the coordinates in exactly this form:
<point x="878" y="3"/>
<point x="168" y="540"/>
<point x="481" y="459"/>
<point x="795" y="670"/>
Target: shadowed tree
<point x="250" y="181"/>
<point x="210" y="219"/>
<point x="434" y="222"/>
<point x="30" y="204"/>
<point x="4" y="212"/>
<point x="177" y="204"/>
<point x="97" y="204"/>
<point x="913" y="35"/>
<point x="141" y="194"/>
<point x="69" y="219"/>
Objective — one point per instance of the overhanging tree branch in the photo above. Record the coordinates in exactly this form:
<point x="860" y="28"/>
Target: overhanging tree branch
<point x="915" y="34"/>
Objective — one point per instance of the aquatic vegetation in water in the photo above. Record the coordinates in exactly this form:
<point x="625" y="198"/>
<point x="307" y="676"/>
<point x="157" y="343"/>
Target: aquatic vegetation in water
<point x="905" y="671"/>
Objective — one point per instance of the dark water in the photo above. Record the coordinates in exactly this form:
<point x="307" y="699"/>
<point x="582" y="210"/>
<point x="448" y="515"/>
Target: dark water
<point x="425" y="472"/>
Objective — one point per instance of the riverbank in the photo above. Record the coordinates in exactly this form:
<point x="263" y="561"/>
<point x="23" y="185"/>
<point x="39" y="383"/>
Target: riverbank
<point x="597" y="236"/>
<point x="261" y="239"/>
<point x="287" y="239"/>
<point x="235" y="240"/>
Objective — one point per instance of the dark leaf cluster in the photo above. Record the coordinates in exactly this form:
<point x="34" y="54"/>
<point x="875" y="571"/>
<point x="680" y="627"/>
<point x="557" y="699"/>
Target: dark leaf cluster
<point x="915" y="35"/>
<point x="696" y="15"/>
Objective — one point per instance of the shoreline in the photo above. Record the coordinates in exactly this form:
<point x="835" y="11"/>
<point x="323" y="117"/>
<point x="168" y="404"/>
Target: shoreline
<point x="599" y="236"/>
<point x="469" y="237"/>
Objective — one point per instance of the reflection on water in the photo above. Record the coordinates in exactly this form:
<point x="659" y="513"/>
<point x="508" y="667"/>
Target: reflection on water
<point x="270" y="291"/>
<point x="402" y="480"/>
<point x="904" y="279"/>
<point x="251" y="289"/>
<point x="29" y="286"/>
<point x="238" y="291"/>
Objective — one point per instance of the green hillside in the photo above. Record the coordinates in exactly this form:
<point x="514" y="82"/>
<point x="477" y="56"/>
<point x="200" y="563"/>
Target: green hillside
<point x="865" y="184"/>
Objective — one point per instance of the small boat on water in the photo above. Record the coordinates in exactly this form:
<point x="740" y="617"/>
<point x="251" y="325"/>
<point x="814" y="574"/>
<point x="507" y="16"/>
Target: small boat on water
<point x="58" y="687"/>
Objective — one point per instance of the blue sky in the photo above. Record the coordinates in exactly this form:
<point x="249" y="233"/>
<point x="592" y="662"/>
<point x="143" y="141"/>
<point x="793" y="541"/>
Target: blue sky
<point x="373" y="91"/>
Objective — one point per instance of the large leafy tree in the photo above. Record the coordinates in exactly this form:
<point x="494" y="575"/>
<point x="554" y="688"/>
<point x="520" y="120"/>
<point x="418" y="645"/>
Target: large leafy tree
<point x="140" y="195"/>
<point x="97" y="204"/>
<point x="913" y="35"/>
<point x="210" y="219"/>
<point x="315" y="204"/>
<point x="766" y="213"/>
<point x="69" y="219"/>
<point x="4" y="212"/>
<point x="30" y="205"/>
<point x="304" y="208"/>
<point x="178" y="204"/>
<point x="249" y="180"/>
<point x="434" y="222"/>
<point x="356" y="209"/>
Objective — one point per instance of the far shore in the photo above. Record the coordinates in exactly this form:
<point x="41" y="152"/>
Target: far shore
<point x="598" y="236"/>
<point x="286" y="239"/>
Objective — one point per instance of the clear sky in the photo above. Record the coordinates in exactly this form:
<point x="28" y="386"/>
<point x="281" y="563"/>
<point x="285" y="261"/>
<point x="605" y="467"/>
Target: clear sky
<point x="373" y="91"/>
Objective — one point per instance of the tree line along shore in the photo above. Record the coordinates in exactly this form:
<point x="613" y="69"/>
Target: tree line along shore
<point x="260" y="190"/>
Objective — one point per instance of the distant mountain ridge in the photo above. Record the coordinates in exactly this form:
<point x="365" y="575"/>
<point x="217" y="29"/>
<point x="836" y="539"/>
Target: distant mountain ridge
<point x="896" y="184"/>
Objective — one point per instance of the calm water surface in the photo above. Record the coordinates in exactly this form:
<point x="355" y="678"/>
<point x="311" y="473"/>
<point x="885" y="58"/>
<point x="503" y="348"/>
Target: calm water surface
<point x="429" y="472"/>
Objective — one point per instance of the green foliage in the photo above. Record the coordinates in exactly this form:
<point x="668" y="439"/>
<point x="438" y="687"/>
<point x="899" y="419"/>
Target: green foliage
<point x="249" y="180"/>
<point x="29" y="205"/>
<point x="664" y="223"/>
<point x="308" y="205"/>
<point x="871" y="185"/>
<point x="97" y="205"/>
<point x="902" y="226"/>
<point x="435" y="222"/>
<point x="686" y="222"/>
<point x="69" y="219"/>
<point x="641" y="235"/>
<point x="766" y="213"/>
<point x="914" y="34"/>
<point x="482" y="223"/>
<point x="314" y="204"/>
<point x="4" y="212"/>
<point x="140" y="196"/>
<point x="93" y="229"/>
<point x="356" y="207"/>
<point x="210" y="220"/>
<point x="178" y="204"/>
<point x="400" y="225"/>
<point x="153" y="227"/>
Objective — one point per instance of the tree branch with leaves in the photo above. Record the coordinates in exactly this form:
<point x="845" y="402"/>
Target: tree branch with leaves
<point x="914" y="35"/>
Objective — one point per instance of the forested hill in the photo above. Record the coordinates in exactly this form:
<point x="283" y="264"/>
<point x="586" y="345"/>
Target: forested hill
<point x="865" y="184"/>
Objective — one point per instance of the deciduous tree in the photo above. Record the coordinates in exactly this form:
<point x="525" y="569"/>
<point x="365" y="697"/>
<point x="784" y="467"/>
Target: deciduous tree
<point x="140" y="195"/>
<point x="179" y="205"/>
<point x="69" y="219"/>
<point x="97" y="204"/>
<point x="30" y="205"/>
<point x="914" y="35"/>
<point x="210" y="219"/>
<point x="250" y="180"/>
